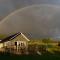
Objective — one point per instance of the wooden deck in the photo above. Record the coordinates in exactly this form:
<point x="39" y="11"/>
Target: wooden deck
<point x="14" y="50"/>
<point x="25" y="51"/>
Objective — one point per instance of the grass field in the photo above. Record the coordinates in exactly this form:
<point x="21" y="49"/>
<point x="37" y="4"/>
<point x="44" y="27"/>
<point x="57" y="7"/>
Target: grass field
<point x="51" y="45"/>
<point x="46" y="56"/>
<point x="52" y="53"/>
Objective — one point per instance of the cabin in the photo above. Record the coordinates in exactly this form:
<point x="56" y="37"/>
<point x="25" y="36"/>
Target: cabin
<point x="16" y="41"/>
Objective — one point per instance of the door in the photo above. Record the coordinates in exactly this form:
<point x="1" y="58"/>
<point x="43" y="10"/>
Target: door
<point x="15" y="43"/>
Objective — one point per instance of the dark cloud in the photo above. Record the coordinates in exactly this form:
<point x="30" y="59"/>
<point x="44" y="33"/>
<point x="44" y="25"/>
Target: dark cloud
<point x="38" y="20"/>
<point x="8" y="6"/>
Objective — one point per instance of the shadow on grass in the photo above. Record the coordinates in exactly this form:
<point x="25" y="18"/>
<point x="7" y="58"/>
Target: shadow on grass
<point x="46" y="56"/>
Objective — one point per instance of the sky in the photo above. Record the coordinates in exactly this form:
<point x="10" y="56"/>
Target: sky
<point x="38" y="21"/>
<point x="8" y="6"/>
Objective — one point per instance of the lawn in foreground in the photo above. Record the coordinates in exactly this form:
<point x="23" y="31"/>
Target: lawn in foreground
<point x="46" y="56"/>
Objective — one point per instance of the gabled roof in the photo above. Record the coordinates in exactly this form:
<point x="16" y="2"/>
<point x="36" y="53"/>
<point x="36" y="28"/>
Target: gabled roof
<point x="25" y="37"/>
<point x="13" y="37"/>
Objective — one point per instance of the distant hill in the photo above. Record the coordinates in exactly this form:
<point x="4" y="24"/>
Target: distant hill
<point x="2" y="36"/>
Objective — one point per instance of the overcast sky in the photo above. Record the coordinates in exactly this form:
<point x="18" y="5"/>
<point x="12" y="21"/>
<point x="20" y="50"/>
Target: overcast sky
<point x="8" y="6"/>
<point x="39" y="21"/>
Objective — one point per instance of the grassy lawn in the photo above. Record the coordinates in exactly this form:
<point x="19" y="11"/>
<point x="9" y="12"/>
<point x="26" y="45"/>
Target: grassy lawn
<point x="46" y="56"/>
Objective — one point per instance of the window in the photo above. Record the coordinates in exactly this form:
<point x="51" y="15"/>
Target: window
<point x="16" y="43"/>
<point x="22" y="44"/>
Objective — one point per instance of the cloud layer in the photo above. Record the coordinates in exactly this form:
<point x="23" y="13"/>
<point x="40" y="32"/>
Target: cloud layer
<point x="7" y="6"/>
<point x="38" y="20"/>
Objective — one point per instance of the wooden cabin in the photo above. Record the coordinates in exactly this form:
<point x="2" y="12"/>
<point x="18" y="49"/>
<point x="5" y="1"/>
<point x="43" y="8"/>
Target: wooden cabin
<point x="15" y="41"/>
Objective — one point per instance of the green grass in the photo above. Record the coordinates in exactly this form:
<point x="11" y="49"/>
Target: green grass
<point x="32" y="57"/>
<point x="46" y="56"/>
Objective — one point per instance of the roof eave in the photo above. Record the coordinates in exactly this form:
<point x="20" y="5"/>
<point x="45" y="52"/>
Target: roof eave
<point x="25" y="37"/>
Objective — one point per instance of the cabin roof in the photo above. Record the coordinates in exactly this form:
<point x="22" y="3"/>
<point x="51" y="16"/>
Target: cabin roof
<point x="13" y="37"/>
